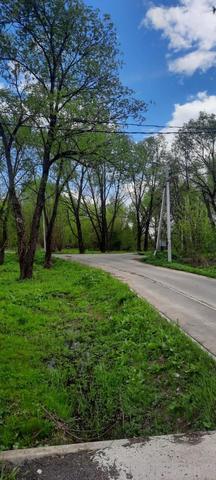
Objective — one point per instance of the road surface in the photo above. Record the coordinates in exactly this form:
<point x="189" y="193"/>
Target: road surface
<point x="186" y="298"/>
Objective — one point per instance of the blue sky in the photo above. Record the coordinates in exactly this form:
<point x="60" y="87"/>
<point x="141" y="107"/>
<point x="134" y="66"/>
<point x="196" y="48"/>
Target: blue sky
<point x="166" y="60"/>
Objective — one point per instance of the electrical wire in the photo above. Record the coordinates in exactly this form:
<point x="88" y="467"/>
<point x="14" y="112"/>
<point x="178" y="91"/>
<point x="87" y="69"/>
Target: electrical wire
<point x="76" y="129"/>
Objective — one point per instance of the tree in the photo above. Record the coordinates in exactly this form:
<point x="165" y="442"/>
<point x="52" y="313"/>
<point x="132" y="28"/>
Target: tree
<point x="59" y="181"/>
<point x="71" y="57"/>
<point x="74" y="205"/>
<point x="195" y="145"/>
<point x="145" y="174"/>
<point x="192" y="232"/>
<point x="137" y="187"/>
<point x="4" y="208"/>
<point x="103" y="193"/>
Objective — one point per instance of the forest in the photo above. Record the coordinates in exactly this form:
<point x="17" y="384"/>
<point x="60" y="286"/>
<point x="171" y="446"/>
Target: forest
<point x="113" y="202"/>
<point x="71" y="177"/>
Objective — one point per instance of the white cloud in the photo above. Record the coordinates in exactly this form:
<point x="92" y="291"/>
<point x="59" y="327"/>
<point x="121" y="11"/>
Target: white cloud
<point x="190" y="28"/>
<point x="202" y="102"/>
<point x="183" y="113"/>
<point x="193" y="61"/>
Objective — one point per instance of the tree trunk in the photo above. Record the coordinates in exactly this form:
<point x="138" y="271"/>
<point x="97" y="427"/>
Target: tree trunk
<point x="214" y="208"/>
<point x="103" y="226"/>
<point x="20" y="229"/>
<point x="26" y="264"/>
<point x="26" y="259"/>
<point x="51" y="223"/>
<point x="49" y="234"/>
<point x="2" y="254"/>
<point x="138" y="234"/>
<point x="102" y="246"/>
<point x="209" y="212"/>
<point x="146" y="236"/>
<point x="139" y="239"/>
<point x="80" y="235"/>
<point x="15" y="204"/>
<point x="4" y="236"/>
<point x="48" y="253"/>
<point x="103" y="240"/>
<point x="148" y="221"/>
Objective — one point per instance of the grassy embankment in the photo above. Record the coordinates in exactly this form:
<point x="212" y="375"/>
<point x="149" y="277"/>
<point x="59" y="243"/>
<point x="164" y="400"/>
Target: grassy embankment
<point x="83" y="358"/>
<point x="160" y="260"/>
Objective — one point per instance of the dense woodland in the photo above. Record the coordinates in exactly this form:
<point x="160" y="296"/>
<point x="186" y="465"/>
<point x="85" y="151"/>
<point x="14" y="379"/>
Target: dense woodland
<point x="67" y="168"/>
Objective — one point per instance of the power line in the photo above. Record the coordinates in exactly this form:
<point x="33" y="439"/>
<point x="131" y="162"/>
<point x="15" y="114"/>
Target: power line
<point x="188" y="131"/>
<point x="147" y="125"/>
<point x="119" y="132"/>
<point x="126" y="124"/>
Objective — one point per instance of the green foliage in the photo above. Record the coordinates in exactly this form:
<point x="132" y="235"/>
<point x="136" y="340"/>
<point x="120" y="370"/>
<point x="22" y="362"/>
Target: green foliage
<point x="193" y="234"/>
<point x="6" y="473"/>
<point x="83" y="358"/>
<point x="60" y="63"/>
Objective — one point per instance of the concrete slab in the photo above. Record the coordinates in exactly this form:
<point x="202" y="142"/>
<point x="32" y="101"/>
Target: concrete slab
<point x="171" y="457"/>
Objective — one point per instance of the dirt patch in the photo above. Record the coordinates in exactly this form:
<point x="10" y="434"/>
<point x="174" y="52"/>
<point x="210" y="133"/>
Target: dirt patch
<point x="134" y="441"/>
<point x="190" y="438"/>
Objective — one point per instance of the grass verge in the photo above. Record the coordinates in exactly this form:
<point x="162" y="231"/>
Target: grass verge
<point x="8" y="473"/>
<point x="160" y="260"/>
<point x="83" y="358"/>
<point x="76" y="251"/>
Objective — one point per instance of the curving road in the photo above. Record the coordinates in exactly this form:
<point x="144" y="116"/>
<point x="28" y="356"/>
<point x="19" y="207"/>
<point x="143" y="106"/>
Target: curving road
<point x="186" y="298"/>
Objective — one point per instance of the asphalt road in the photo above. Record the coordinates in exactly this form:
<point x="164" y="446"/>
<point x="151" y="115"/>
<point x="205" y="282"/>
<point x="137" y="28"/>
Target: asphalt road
<point x="188" y="299"/>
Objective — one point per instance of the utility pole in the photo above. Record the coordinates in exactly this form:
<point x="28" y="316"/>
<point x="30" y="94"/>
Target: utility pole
<point x="169" y="244"/>
<point x="160" y="223"/>
<point x="166" y="192"/>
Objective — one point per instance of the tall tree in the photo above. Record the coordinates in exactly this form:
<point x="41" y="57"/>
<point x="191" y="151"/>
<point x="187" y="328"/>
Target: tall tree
<point x="196" y="147"/>
<point x="71" y="56"/>
<point x="137" y="186"/>
<point x="74" y="205"/>
<point x="60" y="179"/>
<point x="103" y="193"/>
<point x="4" y="208"/>
<point x="15" y="162"/>
<point x="145" y="174"/>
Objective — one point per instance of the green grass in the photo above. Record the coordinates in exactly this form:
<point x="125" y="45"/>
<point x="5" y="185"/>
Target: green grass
<point x="83" y="358"/>
<point x="88" y="250"/>
<point x="8" y="473"/>
<point x="160" y="260"/>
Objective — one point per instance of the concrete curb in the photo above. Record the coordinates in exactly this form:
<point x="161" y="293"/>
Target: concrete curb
<point x="21" y="455"/>
<point x="168" y="457"/>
